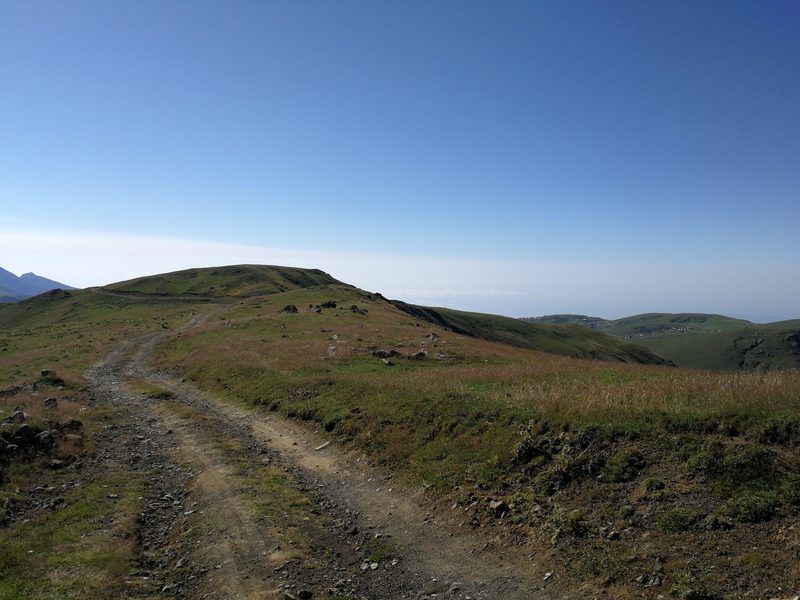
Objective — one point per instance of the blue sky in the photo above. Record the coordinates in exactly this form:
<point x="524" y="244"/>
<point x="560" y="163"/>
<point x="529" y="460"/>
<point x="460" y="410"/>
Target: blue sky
<point x="606" y="136"/>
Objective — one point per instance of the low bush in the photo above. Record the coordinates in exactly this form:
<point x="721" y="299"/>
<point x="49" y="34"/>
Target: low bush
<point x="624" y="465"/>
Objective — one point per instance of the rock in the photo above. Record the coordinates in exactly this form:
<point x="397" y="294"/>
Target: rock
<point x="379" y="353"/>
<point x="614" y="535"/>
<point x="16" y="417"/>
<point x="373" y="566"/>
<point x="289" y="596"/>
<point x="548" y="575"/>
<point x="289" y="309"/>
<point x="498" y="507"/>
<point x="358" y="311"/>
<point x="25" y="436"/>
<point x="658" y="567"/>
<point x="421" y="355"/>
<point x="50" y="403"/>
<point x="46" y="372"/>
<point x="56" y="464"/>
<point x="322" y="446"/>
<point x="45" y="439"/>
<point x="388" y="362"/>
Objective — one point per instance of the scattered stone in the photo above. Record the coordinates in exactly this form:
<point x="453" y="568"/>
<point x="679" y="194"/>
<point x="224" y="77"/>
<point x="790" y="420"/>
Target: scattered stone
<point x="289" y="309"/>
<point x="16" y="417"/>
<point x="358" y="311"/>
<point x="421" y="355"/>
<point x="50" y="402"/>
<point x="388" y="362"/>
<point x="322" y="446"/>
<point x="498" y="507"/>
<point x="379" y="353"/>
<point x="548" y="575"/>
<point x="373" y="566"/>
<point x="56" y="464"/>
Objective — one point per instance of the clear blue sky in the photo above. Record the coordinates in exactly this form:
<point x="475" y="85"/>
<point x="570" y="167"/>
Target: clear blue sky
<point x="601" y="133"/>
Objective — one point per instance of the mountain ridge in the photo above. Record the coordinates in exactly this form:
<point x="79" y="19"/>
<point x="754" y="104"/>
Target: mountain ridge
<point x="14" y="288"/>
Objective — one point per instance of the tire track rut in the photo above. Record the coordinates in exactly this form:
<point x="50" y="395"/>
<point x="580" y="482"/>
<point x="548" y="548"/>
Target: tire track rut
<point x="352" y="507"/>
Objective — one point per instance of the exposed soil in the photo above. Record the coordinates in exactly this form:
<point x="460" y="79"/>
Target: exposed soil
<point x="358" y="535"/>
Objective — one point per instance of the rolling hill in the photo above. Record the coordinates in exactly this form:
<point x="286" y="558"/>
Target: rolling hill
<point x="569" y="340"/>
<point x="700" y="340"/>
<point x="262" y="375"/>
<point x="233" y="281"/>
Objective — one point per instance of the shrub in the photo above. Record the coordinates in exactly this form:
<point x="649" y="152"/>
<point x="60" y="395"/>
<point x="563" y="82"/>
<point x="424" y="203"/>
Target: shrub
<point x="568" y="523"/>
<point x="624" y="465"/>
<point x="651" y="484"/>
<point x="677" y="520"/>
<point x="752" y="507"/>
<point x="748" y="463"/>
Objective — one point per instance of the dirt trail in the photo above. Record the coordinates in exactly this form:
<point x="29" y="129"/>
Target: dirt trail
<point x="432" y="557"/>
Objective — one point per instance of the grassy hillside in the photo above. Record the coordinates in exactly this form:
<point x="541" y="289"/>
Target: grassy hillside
<point x="699" y="464"/>
<point x="569" y="340"/>
<point x="603" y="466"/>
<point x="754" y="347"/>
<point x="703" y="341"/>
<point x="230" y="281"/>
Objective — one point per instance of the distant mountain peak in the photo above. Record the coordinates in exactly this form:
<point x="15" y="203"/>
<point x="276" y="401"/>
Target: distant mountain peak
<point x="14" y="288"/>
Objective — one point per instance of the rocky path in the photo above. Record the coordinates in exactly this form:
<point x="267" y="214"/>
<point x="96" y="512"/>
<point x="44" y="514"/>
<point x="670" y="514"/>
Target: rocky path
<point x="249" y="505"/>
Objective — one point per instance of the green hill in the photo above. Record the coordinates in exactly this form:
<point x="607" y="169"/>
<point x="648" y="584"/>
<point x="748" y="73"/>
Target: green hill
<point x="706" y="341"/>
<point x="234" y="281"/>
<point x="570" y="340"/>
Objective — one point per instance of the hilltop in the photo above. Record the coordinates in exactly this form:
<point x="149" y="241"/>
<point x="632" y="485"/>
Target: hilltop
<point x="231" y="281"/>
<point x="13" y="288"/>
